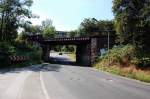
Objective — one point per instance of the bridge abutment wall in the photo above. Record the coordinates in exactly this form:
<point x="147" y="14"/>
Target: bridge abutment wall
<point x="83" y="54"/>
<point x="93" y="51"/>
<point x="46" y="52"/>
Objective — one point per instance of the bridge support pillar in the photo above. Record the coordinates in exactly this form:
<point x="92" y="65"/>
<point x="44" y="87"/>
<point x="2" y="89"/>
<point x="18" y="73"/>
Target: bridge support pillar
<point x="83" y="55"/>
<point x="94" y="50"/>
<point x="46" y="52"/>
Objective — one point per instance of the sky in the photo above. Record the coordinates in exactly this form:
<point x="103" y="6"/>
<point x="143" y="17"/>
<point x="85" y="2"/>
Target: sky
<point x="68" y="14"/>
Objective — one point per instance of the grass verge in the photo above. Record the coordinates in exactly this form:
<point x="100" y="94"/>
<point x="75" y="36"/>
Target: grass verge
<point x="130" y="72"/>
<point x="72" y="56"/>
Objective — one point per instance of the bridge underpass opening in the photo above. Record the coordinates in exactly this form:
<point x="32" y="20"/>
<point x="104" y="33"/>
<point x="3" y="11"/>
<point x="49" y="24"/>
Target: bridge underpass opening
<point x="82" y="57"/>
<point x="83" y="49"/>
<point x="63" y="54"/>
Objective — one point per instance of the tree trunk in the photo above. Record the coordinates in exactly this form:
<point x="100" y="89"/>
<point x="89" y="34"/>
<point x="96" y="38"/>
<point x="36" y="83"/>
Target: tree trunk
<point x="1" y="27"/>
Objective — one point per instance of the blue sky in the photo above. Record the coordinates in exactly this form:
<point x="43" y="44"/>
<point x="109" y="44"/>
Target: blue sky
<point x="68" y="14"/>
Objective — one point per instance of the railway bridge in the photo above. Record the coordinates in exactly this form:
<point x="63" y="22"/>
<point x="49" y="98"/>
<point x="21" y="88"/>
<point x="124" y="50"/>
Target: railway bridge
<point x="87" y="48"/>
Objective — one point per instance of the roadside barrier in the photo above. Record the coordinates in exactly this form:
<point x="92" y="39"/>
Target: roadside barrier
<point x="18" y="59"/>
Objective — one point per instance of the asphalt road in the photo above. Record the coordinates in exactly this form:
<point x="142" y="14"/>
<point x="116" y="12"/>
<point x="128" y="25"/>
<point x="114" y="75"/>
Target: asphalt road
<point x="61" y="59"/>
<point x="74" y="82"/>
<point x="56" y="57"/>
<point x="52" y="81"/>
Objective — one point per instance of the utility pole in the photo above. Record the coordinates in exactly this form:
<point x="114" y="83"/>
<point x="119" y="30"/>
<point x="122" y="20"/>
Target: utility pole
<point x="108" y="41"/>
<point x="108" y="47"/>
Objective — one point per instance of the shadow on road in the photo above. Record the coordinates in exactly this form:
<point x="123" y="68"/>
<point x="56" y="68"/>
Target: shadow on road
<point x="45" y="67"/>
<point x="63" y="61"/>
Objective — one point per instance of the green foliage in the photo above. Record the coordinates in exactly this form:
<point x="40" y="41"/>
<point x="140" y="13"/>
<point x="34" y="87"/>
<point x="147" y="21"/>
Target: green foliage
<point x="130" y="72"/>
<point x="142" y="59"/>
<point x="28" y="28"/>
<point x="19" y="48"/>
<point x="124" y="60"/>
<point x="132" y="22"/>
<point x="89" y="26"/>
<point x="74" y="33"/>
<point x="69" y="48"/>
<point x="145" y="61"/>
<point x="49" y="32"/>
<point x="72" y="56"/>
<point x="29" y="49"/>
<point x="119" y="54"/>
<point x="35" y="54"/>
<point x="12" y="13"/>
<point x="22" y="37"/>
<point x="126" y="55"/>
<point x="48" y="29"/>
<point x="5" y="52"/>
<point x="106" y="25"/>
<point x="64" y="48"/>
<point x="21" y="43"/>
<point x="47" y="23"/>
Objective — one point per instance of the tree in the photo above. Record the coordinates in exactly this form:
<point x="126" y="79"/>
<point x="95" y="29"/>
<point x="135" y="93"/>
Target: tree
<point x="12" y="13"/>
<point x="91" y="26"/>
<point x="47" y="23"/>
<point x="132" y="21"/>
<point x="48" y="29"/>
<point x="32" y="29"/>
<point x="73" y="33"/>
<point x="87" y="26"/>
<point x="106" y="25"/>
<point x="49" y="32"/>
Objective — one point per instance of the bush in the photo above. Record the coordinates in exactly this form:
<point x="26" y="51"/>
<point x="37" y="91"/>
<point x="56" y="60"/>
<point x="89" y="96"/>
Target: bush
<point x="119" y="55"/>
<point x="36" y="54"/>
<point x="28" y="49"/>
<point x="32" y="52"/>
<point x="126" y="61"/>
<point x="126" y="55"/>
<point x="4" y="60"/>
<point x="19" y="48"/>
<point x="5" y="52"/>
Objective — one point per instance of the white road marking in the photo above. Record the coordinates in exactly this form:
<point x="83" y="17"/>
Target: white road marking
<point x="43" y="87"/>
